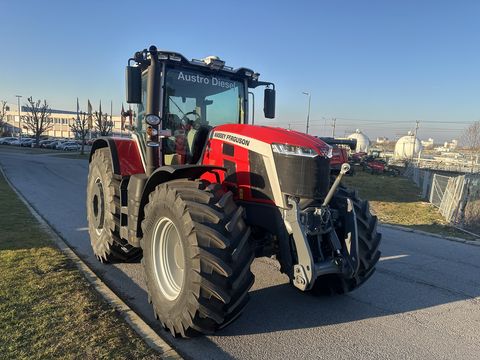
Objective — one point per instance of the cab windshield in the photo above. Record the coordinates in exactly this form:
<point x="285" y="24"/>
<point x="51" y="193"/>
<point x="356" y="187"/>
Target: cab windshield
<point x="194" y="103"/>
<point x="208" y="99"/>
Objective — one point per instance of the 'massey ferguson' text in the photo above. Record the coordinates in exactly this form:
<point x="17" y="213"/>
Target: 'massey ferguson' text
<point x="232" y="138"/>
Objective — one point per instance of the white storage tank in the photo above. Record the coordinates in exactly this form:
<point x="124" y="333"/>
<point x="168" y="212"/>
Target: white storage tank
<point x="363" y="142"/>
<point x="407" y="147"/>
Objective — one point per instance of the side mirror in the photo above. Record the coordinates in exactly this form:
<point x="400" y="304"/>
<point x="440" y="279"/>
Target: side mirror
<point x="133" y="81"/>
<point x="269" y="103"/>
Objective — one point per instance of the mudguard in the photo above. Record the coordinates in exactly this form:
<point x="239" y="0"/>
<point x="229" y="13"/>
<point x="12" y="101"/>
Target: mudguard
<point x="126" y="158"/>
<point x="168" y="173"/>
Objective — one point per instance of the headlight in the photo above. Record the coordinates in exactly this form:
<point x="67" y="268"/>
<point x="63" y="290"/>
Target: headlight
<point x="286" y="149"/>
<point x="152" y="119"/>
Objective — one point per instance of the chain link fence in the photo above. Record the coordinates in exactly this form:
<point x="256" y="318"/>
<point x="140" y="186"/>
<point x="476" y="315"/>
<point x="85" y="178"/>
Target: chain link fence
<point x="438" y="186"/>
<point x="456" y="197"/>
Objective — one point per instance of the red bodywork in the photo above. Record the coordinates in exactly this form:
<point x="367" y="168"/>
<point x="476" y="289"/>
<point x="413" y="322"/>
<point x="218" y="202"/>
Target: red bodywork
<point x="242" y="140"/>
<point x="272" y="135"/>
<point x="128" y="155"/>
<point x="376" y="165"/>
<point x="358" y="157"/>
<point x="339" y="157"/>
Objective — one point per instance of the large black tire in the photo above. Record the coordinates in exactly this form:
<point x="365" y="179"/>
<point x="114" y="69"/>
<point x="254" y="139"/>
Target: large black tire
<point x="214" y="254"/>
<point x="103" y="212"/>
<point x="368" y="246"/>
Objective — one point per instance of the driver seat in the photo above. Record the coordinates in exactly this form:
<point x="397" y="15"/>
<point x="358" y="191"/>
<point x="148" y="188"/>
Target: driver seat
<point x="196" y="140"/>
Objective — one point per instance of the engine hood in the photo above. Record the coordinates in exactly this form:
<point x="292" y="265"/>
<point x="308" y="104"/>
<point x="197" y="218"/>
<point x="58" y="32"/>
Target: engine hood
<point x="272" y="135"/>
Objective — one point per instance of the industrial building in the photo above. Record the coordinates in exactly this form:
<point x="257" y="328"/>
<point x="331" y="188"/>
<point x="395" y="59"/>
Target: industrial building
<point x="61" y="121"/>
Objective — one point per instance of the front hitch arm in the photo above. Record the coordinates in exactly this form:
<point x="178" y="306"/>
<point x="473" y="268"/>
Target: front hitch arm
<point x="345" y="261"/>
<point x="331" y="192"/>
<point x="303" y="271"/>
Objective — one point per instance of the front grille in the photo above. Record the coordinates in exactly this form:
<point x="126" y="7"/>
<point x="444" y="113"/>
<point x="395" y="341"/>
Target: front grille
<point x="303" y="176"/>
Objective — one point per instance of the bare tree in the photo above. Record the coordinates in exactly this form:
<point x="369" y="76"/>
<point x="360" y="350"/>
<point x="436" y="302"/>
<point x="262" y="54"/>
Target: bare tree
<point x="38" y="118"/>
<point x="102" y="124"/>
<point x="81" y="129"/>
<point x="3" y="112"/>
<point x="471" y="139"/>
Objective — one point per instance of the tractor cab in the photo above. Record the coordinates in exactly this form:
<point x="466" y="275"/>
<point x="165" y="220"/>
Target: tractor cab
<point x="180" y="101"/>
<point x="194" y="104"/>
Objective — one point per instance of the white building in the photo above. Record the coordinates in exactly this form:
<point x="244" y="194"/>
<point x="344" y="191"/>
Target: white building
<point x="447" y="146"/>
<point x="382" y="140"/>
<point x="61" y="121"/>
<point x="427" y="143"/>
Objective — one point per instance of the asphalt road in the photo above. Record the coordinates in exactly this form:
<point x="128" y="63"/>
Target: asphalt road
<point x="422" y="303"/>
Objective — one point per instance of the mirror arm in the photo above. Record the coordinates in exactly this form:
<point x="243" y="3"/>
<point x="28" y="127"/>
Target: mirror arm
<point x="253" y="106"/>
<point x="263" y="83"/>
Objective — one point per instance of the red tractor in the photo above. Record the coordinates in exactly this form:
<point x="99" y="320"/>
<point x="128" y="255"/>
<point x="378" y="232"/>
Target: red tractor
<point x="340" y="153"/>
<point x="376" y="165"/>
<point x="199" y="193"/>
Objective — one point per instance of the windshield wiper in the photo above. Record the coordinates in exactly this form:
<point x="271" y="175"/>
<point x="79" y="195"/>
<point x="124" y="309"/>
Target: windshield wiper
<point x="178" y="107"/>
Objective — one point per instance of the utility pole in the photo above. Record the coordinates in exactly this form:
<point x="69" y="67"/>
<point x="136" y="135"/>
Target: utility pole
<point x="111" y="116"/>
<point x="19" y="118"/>
<point x="334" y="123"/>
<point x="415" y="138"/>
<point x="416" y="128"/>
<point x="308" y="112"/>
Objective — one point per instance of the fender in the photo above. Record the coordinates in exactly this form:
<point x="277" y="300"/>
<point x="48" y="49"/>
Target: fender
<point x="172" y="172"/>
<point x="125" y="155"/>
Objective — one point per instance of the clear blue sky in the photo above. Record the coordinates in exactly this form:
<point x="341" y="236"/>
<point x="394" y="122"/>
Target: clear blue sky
<point x="374" y="65"/>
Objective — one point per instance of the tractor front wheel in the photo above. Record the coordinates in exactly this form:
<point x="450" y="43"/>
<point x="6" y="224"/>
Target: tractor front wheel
<point x="197" y="257"/>
<point x="368" y="246"/>
<point x="103" y="205"/>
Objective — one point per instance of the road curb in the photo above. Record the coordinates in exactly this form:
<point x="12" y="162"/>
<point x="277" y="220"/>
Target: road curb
<point x="449" y="238"/>
<point x="133" y="319"/>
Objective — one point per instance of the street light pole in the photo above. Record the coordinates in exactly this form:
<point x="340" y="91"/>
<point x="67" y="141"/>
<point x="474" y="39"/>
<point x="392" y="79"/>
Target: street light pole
<point x="19" y="118"/>
<point x="308" y="112"/>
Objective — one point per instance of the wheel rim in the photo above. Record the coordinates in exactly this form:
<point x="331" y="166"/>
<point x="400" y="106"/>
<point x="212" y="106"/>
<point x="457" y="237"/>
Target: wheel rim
<point x="168" y="258"/>
<point x="98" y="206"/>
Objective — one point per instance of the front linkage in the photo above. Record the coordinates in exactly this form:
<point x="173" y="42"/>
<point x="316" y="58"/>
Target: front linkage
<point x="317" y="221"/>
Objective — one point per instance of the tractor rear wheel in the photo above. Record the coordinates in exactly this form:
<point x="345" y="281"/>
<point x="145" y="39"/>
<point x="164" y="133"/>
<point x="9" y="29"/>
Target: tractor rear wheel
<point x="103" y="211"/>
<point x="197" y="257"/>
<point x="368" y="247"/>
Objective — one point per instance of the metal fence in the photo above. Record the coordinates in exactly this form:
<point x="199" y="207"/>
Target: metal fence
<point x="438" y="187"/>
<point x="456" y="197"/>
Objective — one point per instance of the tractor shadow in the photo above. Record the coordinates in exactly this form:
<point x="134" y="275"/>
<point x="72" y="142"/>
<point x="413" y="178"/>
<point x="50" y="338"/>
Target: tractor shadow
<point x="398" y="286"/>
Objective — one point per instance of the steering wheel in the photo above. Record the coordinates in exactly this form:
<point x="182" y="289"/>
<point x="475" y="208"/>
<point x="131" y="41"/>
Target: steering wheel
<point x="196" y="123"/>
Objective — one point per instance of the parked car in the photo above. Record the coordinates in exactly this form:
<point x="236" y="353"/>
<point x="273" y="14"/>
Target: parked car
<point x="7" y="140"/>
<point x="20" y="141"/>
<point x="27" y="142"/>
<point x="71" y="147"/>
<point x="15" y="142"/>
<point x="64" y="144"/>
<point x="53" y="144"/>
<point x="45" y="141"/>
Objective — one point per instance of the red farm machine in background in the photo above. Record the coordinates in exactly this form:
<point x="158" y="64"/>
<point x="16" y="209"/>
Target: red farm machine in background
<point x="198" y="193"/>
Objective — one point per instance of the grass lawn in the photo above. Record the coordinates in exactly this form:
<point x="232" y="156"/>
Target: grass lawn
<point x="47" y="309"/>
<point x="397" y="201"/>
